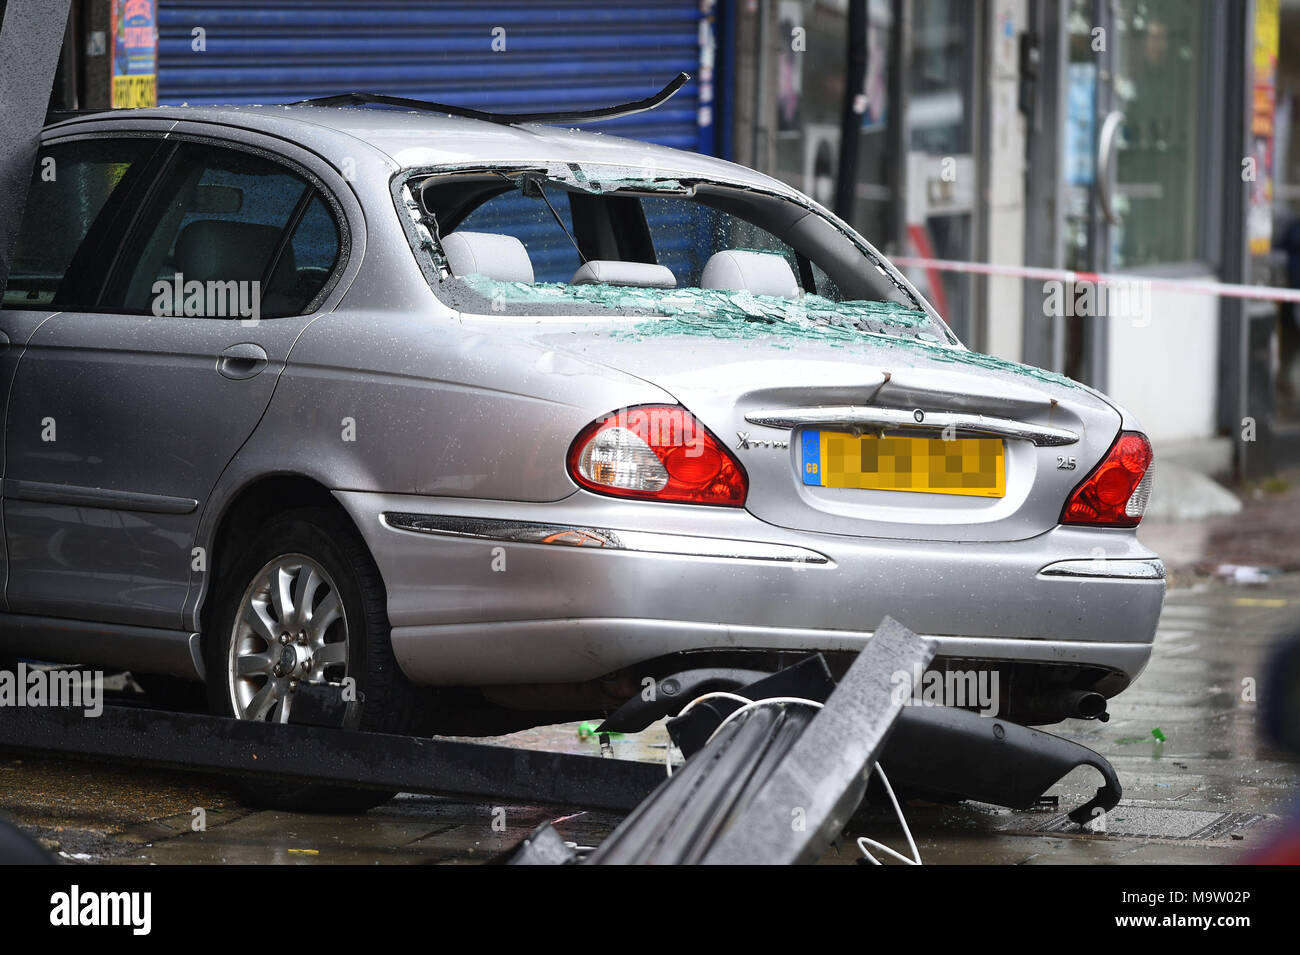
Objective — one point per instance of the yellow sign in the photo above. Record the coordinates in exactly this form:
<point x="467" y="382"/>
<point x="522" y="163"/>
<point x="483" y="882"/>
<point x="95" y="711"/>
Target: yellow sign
<point x="135" y="90"/>
<point x="1263" y="108"/>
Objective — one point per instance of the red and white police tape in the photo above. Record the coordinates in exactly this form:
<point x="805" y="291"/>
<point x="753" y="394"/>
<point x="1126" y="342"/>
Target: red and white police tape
<point x="1225" y="289"/>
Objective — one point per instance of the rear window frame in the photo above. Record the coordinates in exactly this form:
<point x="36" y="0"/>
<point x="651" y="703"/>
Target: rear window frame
<point x="406" y="205"/>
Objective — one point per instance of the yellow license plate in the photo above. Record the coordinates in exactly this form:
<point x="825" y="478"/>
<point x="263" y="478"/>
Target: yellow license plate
<point x="975" y="467"/>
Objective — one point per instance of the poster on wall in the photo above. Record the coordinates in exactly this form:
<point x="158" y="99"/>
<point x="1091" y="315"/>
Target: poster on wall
<point x="875" y="89"/>
<point x="1260" y="215"/>
<point x="135" y="53"/>
<point x="789" y="92"/>
<point x="1080" y="122"/>
<point x="821" y="157"/>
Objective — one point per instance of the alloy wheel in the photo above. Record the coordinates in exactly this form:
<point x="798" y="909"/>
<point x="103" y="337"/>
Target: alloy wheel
<point x="290" y="628"/>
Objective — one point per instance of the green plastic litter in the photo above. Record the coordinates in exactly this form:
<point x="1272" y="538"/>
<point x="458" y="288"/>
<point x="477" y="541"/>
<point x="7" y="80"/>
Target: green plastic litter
<point x="1158" y="733"/>
<point x="586" y="730"/>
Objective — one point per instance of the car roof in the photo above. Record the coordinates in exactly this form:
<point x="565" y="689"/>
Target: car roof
<point x="426" y="139"/>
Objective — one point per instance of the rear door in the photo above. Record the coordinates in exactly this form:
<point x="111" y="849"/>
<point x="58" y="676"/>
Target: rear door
<point x="126" y="408"/>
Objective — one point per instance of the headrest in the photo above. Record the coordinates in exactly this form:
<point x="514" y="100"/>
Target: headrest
<point x="499" y="257"/>
<point x="219" y="250"/>
<point x="763" y="273"/>
<point x="613" y="272"/>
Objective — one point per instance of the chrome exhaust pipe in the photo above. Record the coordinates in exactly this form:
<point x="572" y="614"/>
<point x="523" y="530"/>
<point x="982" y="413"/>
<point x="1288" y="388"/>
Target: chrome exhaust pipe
<point x="1087" y="705"/>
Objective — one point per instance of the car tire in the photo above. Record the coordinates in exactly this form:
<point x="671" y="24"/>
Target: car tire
<point x="302" y="547"/>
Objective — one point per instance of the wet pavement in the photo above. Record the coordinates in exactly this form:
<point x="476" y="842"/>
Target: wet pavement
<point x="1209" y="792"/>
<point x="1265" y="534"/>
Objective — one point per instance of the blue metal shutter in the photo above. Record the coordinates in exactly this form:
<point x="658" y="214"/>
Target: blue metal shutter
<point x="561" y="55"/>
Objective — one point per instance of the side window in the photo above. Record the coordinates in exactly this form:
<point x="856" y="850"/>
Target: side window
<point x="315" y="249"/>
<point x="71" y="185"/>
<point x="226" y="234"/>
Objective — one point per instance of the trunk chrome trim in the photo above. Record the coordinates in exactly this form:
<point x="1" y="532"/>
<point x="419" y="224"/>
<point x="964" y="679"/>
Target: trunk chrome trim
<point x="568" y="535"/>
<point x="1104" y="567"/>
<point x="855" y="416"/>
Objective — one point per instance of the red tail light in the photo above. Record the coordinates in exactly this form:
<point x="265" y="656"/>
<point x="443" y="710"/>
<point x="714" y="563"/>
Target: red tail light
<point x="1115" y="494"/>
<point x="659" y="453"/>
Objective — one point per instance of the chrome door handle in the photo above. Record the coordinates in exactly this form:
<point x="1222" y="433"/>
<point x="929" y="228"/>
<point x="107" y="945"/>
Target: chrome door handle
<point x="1105" y="162"/>
<point x="241" y="361"/>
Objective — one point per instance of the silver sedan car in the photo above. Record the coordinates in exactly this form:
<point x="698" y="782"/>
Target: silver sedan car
<point x="489" y="424"/>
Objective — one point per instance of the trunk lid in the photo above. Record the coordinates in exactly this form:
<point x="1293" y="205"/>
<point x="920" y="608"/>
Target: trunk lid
<point x="759" y="395"/>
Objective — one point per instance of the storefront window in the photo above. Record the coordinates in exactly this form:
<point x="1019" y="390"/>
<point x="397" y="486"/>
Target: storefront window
<point x="932" y="144"/>
<point x="1158" y="69"/>
<point x="812" y="61"/>
<point x="1135" y="90"/>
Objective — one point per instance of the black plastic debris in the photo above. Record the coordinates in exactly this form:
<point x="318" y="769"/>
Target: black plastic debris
<point x="810" y="678"/>
<point x="945" y="753"/>
<point x="562" y="117"/>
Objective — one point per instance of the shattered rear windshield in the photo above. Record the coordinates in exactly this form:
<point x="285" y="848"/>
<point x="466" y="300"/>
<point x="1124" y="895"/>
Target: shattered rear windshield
<point x="715" y="259"/>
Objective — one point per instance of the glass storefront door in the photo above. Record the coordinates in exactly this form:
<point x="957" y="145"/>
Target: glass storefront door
<point x="1133" y="148"/>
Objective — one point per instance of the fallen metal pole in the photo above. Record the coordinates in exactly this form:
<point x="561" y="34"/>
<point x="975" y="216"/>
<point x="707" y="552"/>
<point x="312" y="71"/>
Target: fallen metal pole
<point x="312" y="754"/>
<point x="824" y="777"/>
<point x="776" y="785"/>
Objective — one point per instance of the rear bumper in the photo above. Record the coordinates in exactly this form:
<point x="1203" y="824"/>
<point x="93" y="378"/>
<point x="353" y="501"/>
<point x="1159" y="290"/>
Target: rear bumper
<point x="556" y="651"/>
<point x="483" y="592"/>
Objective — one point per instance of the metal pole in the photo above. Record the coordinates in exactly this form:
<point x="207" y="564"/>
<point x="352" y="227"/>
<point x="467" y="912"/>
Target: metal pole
<point x="31" y="36"/>
<point x="846" y="180"/>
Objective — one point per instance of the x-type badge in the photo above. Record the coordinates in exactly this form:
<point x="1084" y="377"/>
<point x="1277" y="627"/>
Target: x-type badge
<point x="743" y="441"/>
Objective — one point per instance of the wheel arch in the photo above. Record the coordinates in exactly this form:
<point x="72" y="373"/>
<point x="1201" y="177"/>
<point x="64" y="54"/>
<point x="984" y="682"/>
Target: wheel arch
<point x="242" y="514"/>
